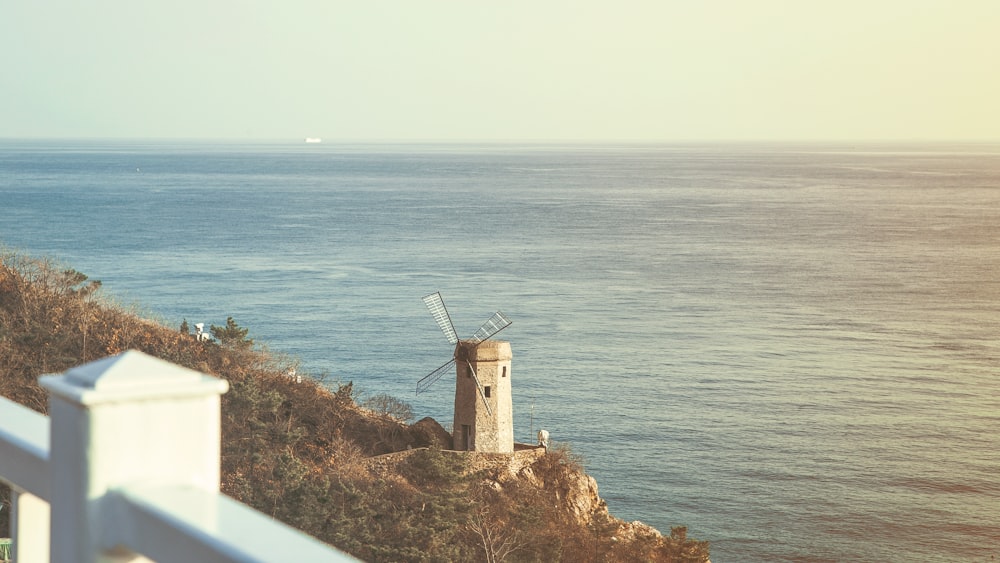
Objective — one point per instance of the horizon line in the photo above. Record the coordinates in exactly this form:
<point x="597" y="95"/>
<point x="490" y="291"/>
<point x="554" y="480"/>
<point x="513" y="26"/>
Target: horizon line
<point x="507" y="141"/>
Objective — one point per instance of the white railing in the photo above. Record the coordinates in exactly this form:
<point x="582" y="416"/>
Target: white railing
<point x="127" y="468"/>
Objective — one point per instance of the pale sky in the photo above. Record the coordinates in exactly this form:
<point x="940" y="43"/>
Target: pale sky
<point x="624" y="70"/>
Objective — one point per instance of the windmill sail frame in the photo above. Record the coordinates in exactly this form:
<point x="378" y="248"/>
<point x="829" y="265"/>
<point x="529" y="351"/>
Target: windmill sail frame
<point x="493" y="325"/>
<point x="429" y="379"/>
<point x="435" y="304"/>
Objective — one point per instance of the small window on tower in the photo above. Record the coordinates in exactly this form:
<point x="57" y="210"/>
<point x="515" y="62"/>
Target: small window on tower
<point x="504" y="374"/>
<point x="486" y="391"/>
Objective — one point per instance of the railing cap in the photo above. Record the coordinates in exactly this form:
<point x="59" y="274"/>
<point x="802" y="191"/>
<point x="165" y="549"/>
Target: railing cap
<point x="130" y="375"/>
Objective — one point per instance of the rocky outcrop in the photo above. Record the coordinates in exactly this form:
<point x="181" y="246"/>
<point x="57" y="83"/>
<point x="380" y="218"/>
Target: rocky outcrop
<point x="427" y="432"/>
<point x="574" y="490"/>
<point x="532" y="472"/>
<point x="631" y="531"/>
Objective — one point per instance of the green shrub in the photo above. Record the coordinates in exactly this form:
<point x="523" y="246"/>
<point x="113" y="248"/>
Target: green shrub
<point x="432" y="467"/>
<point x="232" y="335"/>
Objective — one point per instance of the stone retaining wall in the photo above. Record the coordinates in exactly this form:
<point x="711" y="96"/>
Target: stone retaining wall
<point x="501" y="464"/>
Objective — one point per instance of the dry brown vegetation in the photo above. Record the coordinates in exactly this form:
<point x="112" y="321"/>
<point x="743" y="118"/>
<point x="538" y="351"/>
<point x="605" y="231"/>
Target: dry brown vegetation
<point x="297" y="451"/>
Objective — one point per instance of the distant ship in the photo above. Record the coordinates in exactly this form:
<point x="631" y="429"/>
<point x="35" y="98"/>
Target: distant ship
<point x="313" y="140"/>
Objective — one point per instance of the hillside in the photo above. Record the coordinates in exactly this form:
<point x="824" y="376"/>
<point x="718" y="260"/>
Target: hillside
<point x="307" y="453"/>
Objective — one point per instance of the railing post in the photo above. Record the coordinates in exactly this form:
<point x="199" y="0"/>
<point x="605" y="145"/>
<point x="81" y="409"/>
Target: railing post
<point x="24" y="465"/>
<point x="125" y="420"/>
<point x="29" y="528"/>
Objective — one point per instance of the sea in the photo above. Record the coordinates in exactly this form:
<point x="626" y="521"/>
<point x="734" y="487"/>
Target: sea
<point x="789" y="348"/>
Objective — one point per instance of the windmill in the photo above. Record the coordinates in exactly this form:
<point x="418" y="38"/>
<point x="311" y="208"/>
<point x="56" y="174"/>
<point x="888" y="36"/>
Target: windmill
<point x="483" y="423"/>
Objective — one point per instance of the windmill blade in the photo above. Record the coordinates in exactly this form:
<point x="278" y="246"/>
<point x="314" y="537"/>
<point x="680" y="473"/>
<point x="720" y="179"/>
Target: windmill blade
<point x="429" y="379"/>
<point x="435" y="304"/>
<point x="495" y="324"/>
<point x="482" y="392"/>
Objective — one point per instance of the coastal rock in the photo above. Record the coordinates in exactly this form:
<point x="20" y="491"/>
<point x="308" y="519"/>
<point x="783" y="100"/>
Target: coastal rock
<point x="575" y="490"/>
<point x="630" y="531"/>
<point x="427" y="432"/>
<point x="580" y="496"/>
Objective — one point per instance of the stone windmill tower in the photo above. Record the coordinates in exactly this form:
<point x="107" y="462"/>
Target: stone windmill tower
<point x="484" y="412"/>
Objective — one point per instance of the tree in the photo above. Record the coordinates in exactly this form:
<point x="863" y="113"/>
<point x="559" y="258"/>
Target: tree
<point x="73" y="282"/>
<point x="680" y="548"/>
<point x="497" y="538"/>
<point x="232" y="335"/>
<point x="384" y="404"/>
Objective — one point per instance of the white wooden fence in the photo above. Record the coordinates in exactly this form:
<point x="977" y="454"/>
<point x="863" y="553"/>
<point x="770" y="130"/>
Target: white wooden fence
<point x="127" y="469"/>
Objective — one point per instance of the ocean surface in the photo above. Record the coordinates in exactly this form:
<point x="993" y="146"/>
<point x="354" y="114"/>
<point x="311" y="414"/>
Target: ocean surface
<point x="791" y="349"/>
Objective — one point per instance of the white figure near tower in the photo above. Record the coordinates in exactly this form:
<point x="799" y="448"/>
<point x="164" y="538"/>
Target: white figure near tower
<point x="199" y="333"/>
<point x="543" y="438"/>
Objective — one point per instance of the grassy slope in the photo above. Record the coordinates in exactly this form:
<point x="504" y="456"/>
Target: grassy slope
<point x="297" y="451"/>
